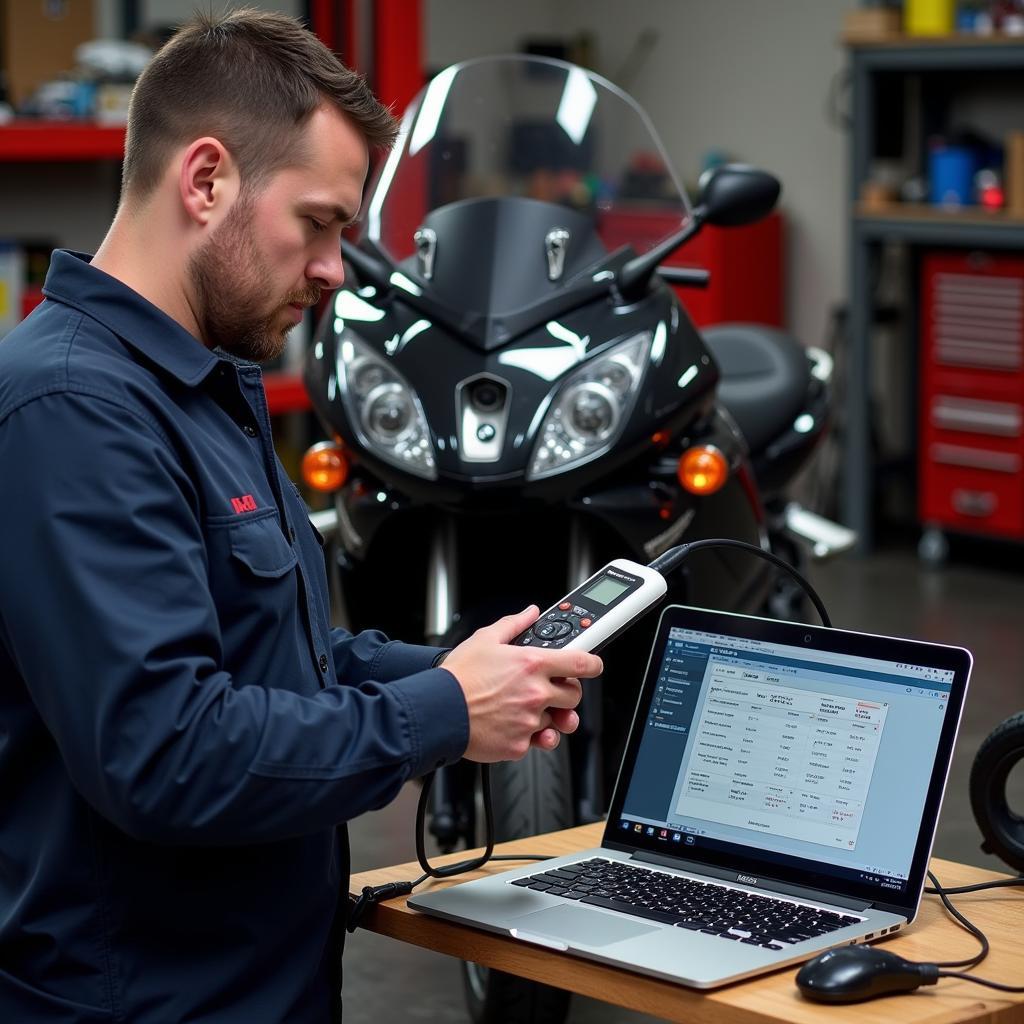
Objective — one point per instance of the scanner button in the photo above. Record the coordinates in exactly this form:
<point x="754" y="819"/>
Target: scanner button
<point x="553" y="630"/>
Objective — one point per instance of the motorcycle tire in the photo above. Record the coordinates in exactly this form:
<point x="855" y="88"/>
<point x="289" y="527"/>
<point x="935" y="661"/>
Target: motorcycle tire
<point x="1001" y="826"/>
<point x="529" y="797"/>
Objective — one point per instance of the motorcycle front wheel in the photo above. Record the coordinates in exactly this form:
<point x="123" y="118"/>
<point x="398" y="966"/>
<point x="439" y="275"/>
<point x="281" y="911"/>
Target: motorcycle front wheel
<point x="529" y="797"/>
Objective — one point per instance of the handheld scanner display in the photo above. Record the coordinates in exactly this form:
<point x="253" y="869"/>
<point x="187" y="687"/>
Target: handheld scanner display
<point x="598" y="610"/>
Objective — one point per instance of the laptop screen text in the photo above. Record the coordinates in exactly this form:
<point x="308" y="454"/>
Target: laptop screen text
<point x="787" y="753"/>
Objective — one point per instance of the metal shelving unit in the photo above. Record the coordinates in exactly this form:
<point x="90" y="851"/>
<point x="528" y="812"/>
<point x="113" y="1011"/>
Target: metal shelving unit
<point x="910" y="224"/>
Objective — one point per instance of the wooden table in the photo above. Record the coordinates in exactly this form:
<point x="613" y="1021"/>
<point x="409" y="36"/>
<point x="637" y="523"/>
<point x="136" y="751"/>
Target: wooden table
<point x="768" y="999"/>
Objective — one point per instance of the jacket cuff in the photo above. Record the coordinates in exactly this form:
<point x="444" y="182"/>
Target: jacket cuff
<point x="395" y="660"/>
<point x="437" y="717"/>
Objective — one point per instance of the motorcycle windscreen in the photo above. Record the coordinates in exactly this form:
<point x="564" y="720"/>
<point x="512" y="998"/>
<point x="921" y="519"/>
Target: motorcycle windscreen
<point x="527" y="128"/>
<point x="482" y="263"/>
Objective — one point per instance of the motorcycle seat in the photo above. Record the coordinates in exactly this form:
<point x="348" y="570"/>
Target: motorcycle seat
<point x="765" y="376"/>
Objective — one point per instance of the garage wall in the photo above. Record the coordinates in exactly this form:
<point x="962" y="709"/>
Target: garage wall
<point x="745" y="76"/>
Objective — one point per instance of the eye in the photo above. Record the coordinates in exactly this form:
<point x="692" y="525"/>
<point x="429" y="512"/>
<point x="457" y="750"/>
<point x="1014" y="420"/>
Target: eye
<point x="318" y="226"/>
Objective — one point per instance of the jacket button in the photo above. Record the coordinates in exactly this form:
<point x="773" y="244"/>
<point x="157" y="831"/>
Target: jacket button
<point x="249" y="429"/>
<point x="323" y="662"/>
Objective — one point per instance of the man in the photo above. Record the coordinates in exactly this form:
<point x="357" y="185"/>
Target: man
<point x="181" y="733"/>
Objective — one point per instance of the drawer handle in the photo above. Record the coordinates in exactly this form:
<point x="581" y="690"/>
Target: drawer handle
<point x="992" y="418"/>
<point x="974" y="503"/>
<point x="974" y="458"/>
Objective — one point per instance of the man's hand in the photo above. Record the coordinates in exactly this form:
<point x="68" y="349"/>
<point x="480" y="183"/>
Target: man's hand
<point x="517" y="696"/>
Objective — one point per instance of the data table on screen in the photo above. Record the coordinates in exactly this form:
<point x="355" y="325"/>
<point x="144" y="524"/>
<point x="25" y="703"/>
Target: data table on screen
<point x="782" y="759"/>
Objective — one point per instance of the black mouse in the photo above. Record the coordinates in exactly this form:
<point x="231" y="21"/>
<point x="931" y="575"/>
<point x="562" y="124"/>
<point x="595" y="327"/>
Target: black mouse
<point x="853" y="974"/>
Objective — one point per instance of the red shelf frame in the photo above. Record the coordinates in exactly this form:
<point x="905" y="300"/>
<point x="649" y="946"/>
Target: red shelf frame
<point x="285" y="393"/>
<point x="60" y="140"/>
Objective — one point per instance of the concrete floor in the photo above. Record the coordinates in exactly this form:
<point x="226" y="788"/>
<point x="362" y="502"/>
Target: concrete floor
<point x="975" y="602"/>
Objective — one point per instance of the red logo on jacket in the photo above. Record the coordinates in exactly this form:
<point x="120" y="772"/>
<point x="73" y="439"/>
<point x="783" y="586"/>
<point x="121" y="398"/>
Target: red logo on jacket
<point x="246" y="503"/>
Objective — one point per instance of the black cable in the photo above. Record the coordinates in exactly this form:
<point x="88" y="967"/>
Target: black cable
<point x="375" y="893"/>
<point x="999" y="883"/>
<point x="939" y="890"/>
<point x="981" y="981"/>
<point x="972" y="928"/>
<point x="672" y="558"/>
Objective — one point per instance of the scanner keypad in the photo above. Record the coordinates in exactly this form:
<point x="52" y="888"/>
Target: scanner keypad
<point x="557" y="626"/>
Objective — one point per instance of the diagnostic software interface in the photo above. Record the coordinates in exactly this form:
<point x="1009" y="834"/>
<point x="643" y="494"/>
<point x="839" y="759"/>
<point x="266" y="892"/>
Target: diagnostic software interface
<point x="829" y="755"/>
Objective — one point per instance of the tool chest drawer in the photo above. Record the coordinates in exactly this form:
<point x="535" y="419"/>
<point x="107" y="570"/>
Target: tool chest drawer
<point x="971" y="397"/>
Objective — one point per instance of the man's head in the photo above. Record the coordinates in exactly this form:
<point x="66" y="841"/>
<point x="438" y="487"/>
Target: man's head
<point x="247" y="134"/>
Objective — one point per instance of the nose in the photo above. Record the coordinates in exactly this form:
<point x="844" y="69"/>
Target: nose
<point x="327" y="268"/>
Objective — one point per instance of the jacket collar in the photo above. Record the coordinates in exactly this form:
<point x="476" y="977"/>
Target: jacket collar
<point x="72" y="280"/>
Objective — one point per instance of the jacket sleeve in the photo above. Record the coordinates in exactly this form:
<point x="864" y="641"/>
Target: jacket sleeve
<point x="106" y="609"/>
<point x="371" y="655"/>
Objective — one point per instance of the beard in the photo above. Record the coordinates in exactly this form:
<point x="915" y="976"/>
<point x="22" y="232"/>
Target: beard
<point x="231" y="281"/>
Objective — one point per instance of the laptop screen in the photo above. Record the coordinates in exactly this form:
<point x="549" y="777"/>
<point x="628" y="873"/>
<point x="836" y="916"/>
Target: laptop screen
<point x="811" y="756"/>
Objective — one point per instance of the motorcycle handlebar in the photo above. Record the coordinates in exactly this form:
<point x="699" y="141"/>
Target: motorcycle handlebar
<point x="690" y="277"/>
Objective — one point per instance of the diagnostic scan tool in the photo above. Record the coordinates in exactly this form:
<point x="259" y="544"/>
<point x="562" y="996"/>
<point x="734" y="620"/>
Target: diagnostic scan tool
<point x="598" y="610"/>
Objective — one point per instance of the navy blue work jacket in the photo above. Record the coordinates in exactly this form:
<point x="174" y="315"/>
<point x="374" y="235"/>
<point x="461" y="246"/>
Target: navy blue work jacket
<point x="181" y="732"/>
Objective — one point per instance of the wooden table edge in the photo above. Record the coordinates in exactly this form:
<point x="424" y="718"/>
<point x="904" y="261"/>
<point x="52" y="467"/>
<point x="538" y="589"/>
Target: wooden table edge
<point x="766" y="999"/>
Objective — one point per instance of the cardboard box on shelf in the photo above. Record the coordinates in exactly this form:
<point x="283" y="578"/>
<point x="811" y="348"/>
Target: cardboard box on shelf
<point x="38" y="40"/>
<point x="866" y="24"/>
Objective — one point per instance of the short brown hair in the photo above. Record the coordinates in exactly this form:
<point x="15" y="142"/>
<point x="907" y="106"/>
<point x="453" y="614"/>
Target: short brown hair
<point x="250" y="79"/>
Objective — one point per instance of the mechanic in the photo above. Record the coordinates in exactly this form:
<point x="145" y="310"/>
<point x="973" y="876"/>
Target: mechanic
<point x="182" y="734"/>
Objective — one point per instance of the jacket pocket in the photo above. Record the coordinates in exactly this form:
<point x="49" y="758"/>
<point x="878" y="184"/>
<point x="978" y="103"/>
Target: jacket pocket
<point x="261" y="547"/>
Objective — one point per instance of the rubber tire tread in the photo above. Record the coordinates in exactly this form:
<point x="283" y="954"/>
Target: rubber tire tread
<point x="1005" y="742"/>
<point x="529" y="797"/>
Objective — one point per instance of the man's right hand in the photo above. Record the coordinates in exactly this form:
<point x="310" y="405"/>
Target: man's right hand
<point x="517" y="696"/>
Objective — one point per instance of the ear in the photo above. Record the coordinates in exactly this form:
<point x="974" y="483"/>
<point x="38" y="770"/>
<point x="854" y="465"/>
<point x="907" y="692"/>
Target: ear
<point x="208" y="182"/>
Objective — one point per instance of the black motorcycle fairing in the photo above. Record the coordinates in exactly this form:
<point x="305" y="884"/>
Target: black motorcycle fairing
<point x="490" y="261"/>
<point x="532" y="367"/>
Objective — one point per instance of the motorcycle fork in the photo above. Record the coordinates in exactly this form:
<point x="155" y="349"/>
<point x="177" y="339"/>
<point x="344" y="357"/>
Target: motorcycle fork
<point x="452" y="798"/>
<point x="586" y="753"/>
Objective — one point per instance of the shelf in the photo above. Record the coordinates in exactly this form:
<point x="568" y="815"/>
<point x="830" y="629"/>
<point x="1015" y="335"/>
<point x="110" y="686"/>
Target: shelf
<point x="285" y="393"/>
<point x="926" y="224"/>
<point x="937" y="53"/>
<point x="22" y="141"/>
<point x="961" y="39"/>
<point x="926" y="212"/>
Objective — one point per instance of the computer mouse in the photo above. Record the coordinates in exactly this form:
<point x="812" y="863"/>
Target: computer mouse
<point x="853" y="974"/>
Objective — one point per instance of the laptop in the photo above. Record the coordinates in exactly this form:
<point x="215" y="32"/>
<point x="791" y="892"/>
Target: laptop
<point x="778" y="796"/>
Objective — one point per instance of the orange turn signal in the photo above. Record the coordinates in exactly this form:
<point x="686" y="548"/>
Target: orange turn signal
<point x="324" y="467"/>
<point x="703" y="469"/>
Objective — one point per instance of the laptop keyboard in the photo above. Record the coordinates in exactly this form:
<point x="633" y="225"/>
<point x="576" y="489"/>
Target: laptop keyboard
<point x="698" y="906"/>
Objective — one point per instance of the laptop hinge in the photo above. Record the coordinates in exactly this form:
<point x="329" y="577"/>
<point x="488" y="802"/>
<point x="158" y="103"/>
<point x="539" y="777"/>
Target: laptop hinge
<point x="783" y="888"/>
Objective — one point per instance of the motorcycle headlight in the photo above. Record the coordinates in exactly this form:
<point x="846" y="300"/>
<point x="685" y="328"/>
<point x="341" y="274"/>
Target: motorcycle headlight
<point x="383" y="409"/>
<point x="588" y="411"/>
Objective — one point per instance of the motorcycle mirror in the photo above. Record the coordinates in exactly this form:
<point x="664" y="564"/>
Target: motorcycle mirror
<point x="730" y="195"/>
<point x="735" y="194"/>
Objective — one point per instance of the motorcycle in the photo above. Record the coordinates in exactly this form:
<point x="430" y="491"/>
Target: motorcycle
<point x="518" y="396"/>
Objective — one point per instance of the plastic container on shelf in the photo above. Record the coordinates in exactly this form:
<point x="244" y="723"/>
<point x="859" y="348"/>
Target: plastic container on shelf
<point x="929" y="17"/>
<point x="951" y="175"/>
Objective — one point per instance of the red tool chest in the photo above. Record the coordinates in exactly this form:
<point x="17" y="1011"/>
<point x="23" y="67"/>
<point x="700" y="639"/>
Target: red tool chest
<point x="971" y="450"/>
<point x="745" y="264"/>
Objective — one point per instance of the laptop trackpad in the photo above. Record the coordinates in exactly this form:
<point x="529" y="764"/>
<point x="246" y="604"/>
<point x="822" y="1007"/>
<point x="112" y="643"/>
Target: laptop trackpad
<point x="572" y="925"/>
